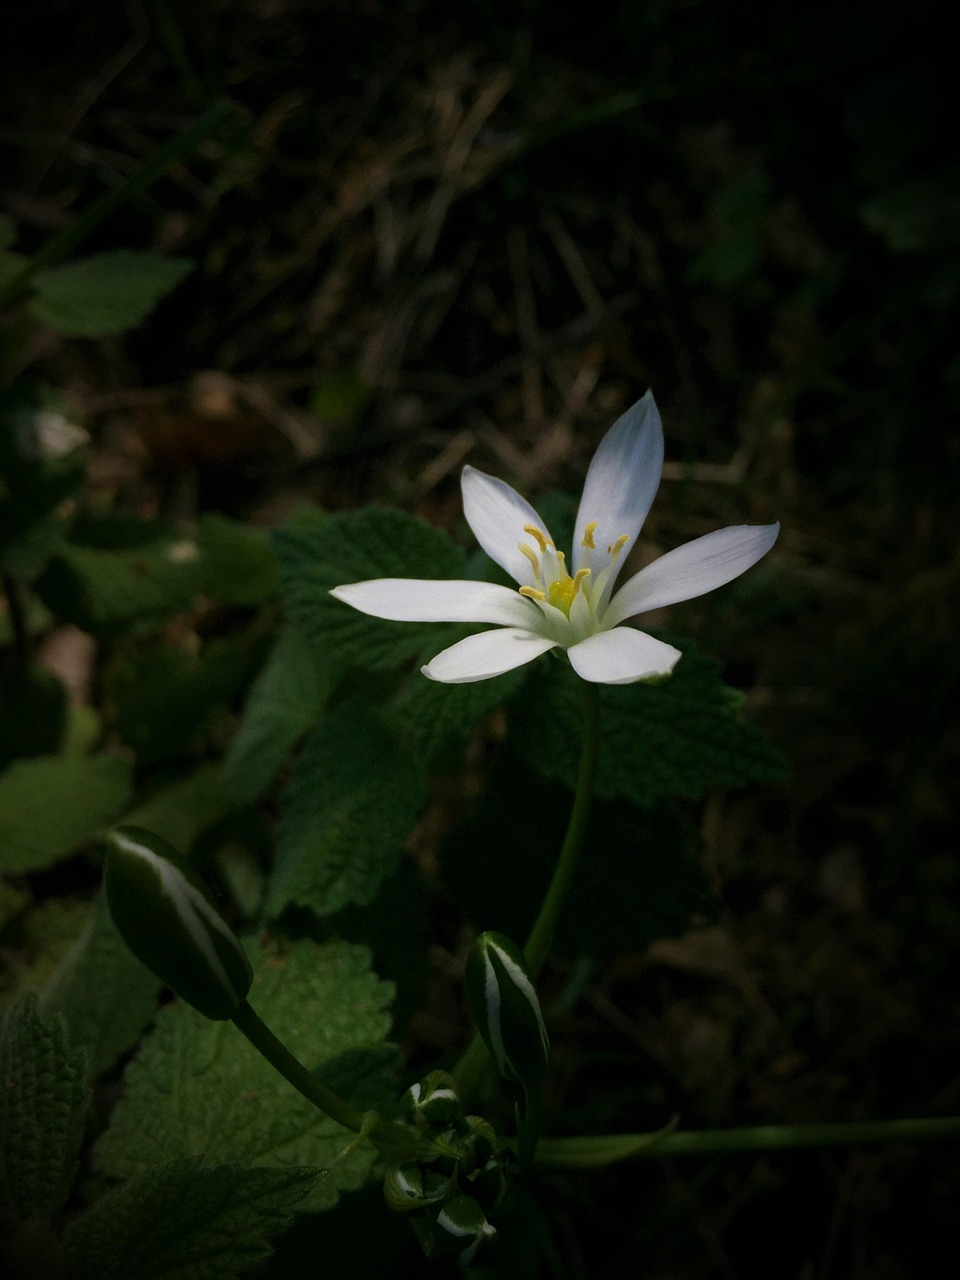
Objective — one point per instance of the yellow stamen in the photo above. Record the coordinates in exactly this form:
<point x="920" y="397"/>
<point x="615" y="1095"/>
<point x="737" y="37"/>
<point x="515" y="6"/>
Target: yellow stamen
<point x="537" y="535"/>
<point x="588" y="535"/>
<point x="617" y="547"/>
<point x="532" y="557"/>
<point x="532" y="593"/>
<point x="581" y="574"/>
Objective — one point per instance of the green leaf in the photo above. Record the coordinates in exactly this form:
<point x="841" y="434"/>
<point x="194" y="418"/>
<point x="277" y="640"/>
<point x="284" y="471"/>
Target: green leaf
<point x="153" y="574"/>
<point x="183" y="809"/>
<point x="168" y="701"/>
<point x="284" y="701"/>
<point x="106" y="293"/>
<point x="351" y="802"/>
<point x="440" y="719"/>
<point x="35" y="939"/>
<point x="238" y="565"/>
<point x="374" y="543"/>
<point x="49" y="804"/>
<point x="33" y="711"/>
<point x="684" y="736"/>
<point x="43" y="1104"/>
<point x="186" y="1221"/>
<point x="106" y="996"/>
<point x="199" y="1088"/>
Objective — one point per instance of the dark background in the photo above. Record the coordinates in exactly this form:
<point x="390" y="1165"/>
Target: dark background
<point x="432" y="234"/>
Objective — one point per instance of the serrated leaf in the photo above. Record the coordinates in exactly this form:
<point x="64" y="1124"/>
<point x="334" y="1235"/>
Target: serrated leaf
<point x="238" y="565"/>
<point x="638" y="878"/>
<point x="351" y="802"/>
<point x="107" y="588"/>
<point x="440" y="719"/>
<point x="49" y="804"/>
<point x="106" y="996"/>
<point x="185" y="1221"/>
<point x="284" y="701"/>
<point x="683" y="737"/>
<point x="374" y="543"/>
<point x="197" y="1087"/>
<point x="43" y="1105"/>
<point x="36" y="939"/>
<point x="106" y="293"/>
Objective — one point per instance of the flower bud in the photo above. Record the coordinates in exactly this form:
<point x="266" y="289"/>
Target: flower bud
<point x="462" y="1228"/>
<point x="503" y="1003"/>
<point x="165" y="915"/>
<point x="434" y="1100"/>
<point x="409" y="1187"/>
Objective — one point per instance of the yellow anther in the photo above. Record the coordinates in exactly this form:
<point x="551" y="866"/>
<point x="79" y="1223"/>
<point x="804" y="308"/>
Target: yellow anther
<point x="561" y="556"/>
<point x="615" y="548"/>
<point x="537" y="535"/>
<point x="532" y="593"/>
<point x="532" y="557"/>
<point x="581" y="574"/>
<point x="588" y="535"/>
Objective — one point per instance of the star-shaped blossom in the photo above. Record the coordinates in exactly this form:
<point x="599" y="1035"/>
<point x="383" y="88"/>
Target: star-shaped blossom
<point x="570" y="606"/>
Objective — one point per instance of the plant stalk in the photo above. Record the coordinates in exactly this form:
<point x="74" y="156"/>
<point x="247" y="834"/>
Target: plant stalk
<point x="394" y="1141"/>
<point x="594" y="1151"/>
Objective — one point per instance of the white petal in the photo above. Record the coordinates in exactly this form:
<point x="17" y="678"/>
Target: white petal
<point x="490" y="653"/>
<point x="692" y="570"/>
<point x="496" y="513"/>
<point x="440" y="600"/>
<point x="621" y="484"/>
<point x="622" y="656"/>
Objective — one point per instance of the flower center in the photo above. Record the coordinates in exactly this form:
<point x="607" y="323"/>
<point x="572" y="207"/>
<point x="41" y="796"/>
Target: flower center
<point x="555" y="586"/>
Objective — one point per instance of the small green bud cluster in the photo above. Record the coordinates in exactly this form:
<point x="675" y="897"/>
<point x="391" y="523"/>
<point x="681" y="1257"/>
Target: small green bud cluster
<point x="452" y="1191"/>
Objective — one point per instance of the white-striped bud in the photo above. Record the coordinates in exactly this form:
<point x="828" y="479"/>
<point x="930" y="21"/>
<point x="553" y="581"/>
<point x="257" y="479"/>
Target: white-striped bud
<point x="165" y="915"/>
<point x="504" y="1005"/>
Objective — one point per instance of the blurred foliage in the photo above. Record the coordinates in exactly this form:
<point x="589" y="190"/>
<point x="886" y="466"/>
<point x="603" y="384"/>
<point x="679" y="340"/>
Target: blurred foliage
<point x="424" y="236"/>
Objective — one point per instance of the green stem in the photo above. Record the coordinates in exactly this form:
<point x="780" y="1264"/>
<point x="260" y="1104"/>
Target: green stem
<point x="540" y="941"/>
<point x="473" y="1064"/>
<point x="175" y="151"/>
<point x="592" y="1152"/>
<point x="394" y="1141"/>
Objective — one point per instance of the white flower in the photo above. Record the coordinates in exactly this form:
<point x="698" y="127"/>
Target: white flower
<point x="569" y="607"/>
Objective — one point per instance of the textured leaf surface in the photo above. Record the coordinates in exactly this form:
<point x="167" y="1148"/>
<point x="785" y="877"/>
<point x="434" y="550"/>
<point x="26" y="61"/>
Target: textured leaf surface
<point x="43" y="1104"/>
<point x="375" y="543"/>
<point x="106" y="996"/>
<point x="105" y="293"/>
<point x="682" y="737"/>
<point x="49" y="804"/>
<point x="351" y="802"/>
<point x="439" y="719"/>
<point x="198" y="1088"/>
<point x="284" y="701"/>
<point x="185" y="1221"/>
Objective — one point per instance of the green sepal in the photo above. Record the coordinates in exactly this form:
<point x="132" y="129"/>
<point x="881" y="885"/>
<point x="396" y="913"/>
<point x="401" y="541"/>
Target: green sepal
<point x="504" y="1006"/>
<point x="433" y="1101"/>
<point x="462" y="1229"/>
<point x="409" y="1187"/>
<point x="165" y="915"/>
